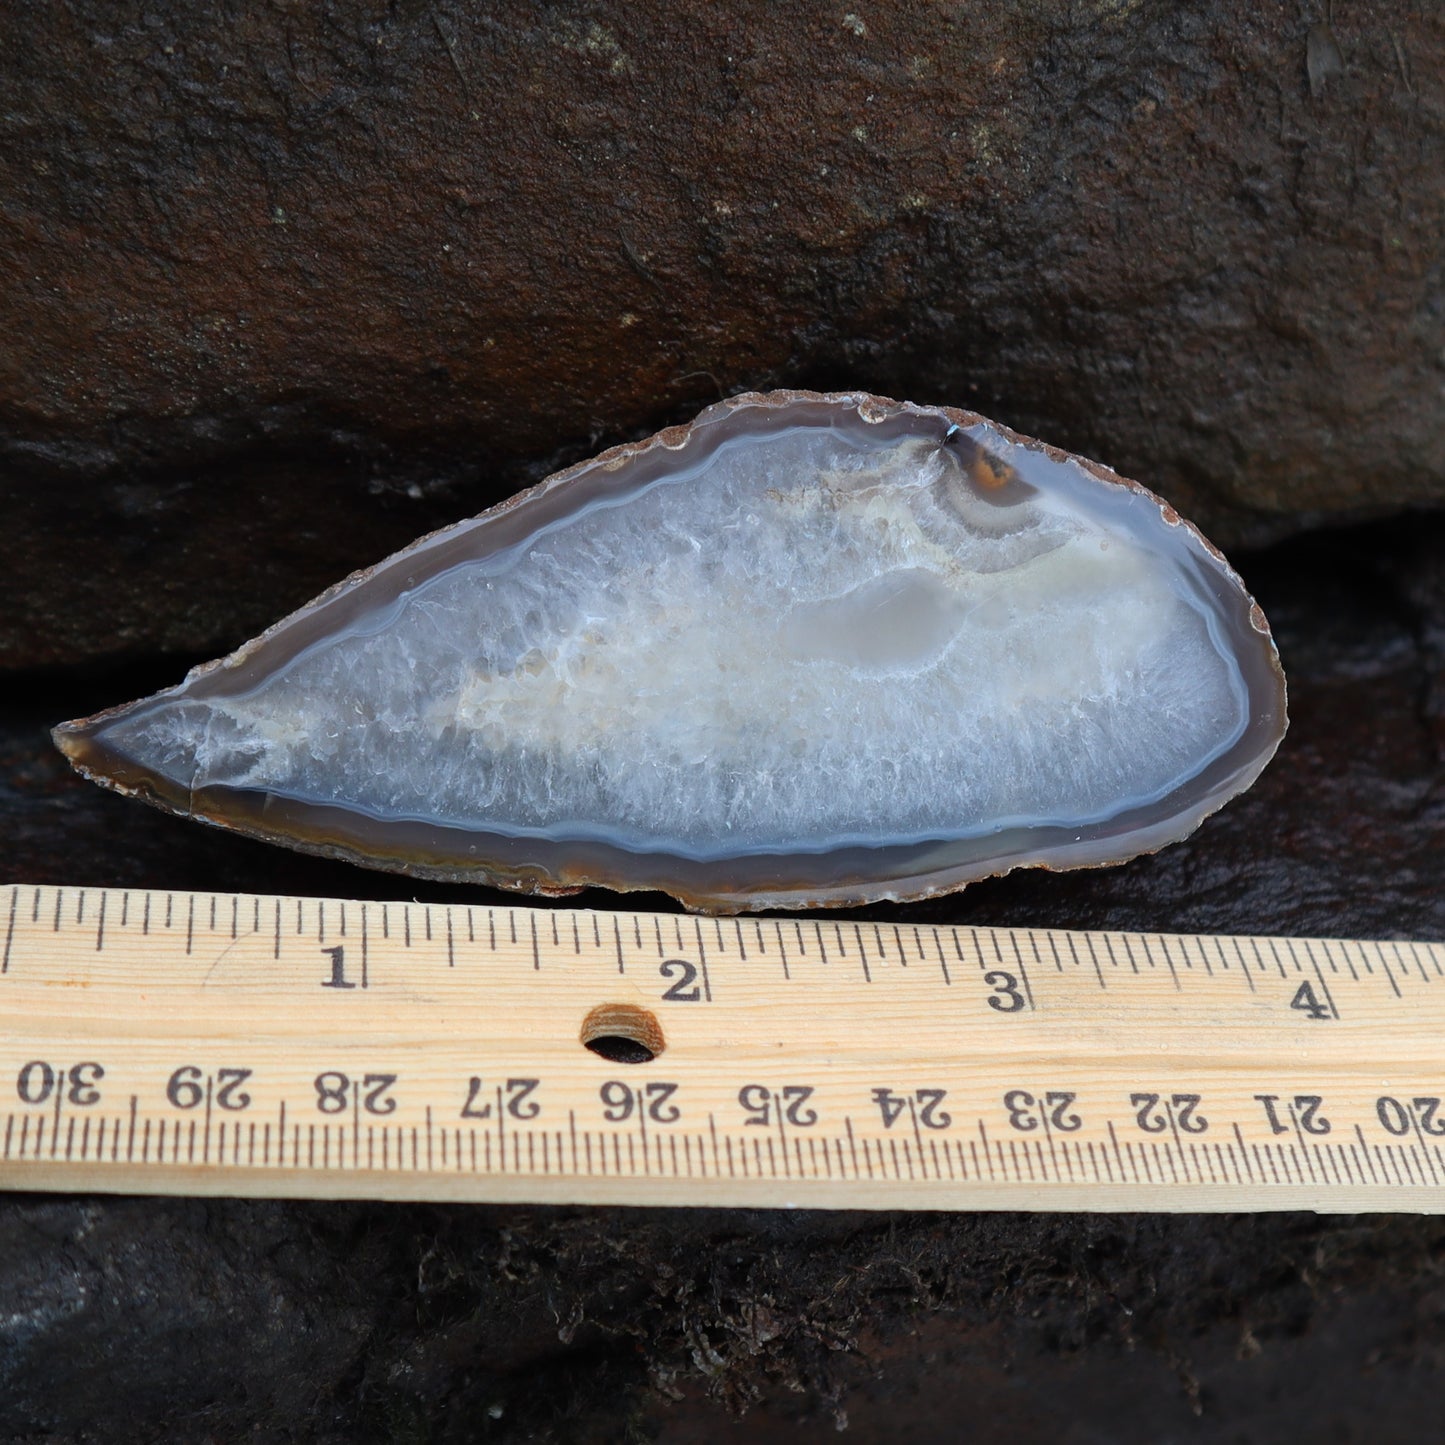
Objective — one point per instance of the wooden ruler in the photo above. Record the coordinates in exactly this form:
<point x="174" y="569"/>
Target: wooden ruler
<point x="234" y="1044"/>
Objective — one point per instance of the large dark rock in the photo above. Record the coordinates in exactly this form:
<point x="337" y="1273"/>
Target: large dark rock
<point x="180" y="1320"/>
<point x="286" y="286"/>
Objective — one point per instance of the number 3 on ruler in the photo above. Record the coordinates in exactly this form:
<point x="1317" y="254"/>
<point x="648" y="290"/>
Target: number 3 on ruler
<point x="1005" y="997"/>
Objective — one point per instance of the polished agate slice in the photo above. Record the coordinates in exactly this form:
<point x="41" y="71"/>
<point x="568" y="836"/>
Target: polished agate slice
<point x="808" y="650"/>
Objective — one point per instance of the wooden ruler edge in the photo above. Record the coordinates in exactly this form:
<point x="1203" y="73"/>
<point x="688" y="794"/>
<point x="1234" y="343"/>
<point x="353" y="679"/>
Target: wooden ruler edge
<point x="447" y="1185"/>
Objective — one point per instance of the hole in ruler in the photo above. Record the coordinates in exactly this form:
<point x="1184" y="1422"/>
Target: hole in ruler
<point x="622" y="1033"/>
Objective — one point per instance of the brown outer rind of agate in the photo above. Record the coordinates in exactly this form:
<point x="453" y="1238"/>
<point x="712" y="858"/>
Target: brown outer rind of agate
<point x="843" y="877"/>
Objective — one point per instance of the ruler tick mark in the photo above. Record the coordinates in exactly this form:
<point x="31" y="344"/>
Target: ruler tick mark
<point x="1243" y="962"/>
<point x="10" y="930"/>
<point x="987" y="1153"/>
<point x="1203" y="957"/>
<point x="942" y="960"/>
<point x="1093" y="957"/>
<point x="1053" y="949"/>
<point x="1113" y="957"/>
<point x="1389" y="974"/>
<point x="1405" y="967"/>
<point x="862" y="954"/>
<point x="1168" y="958"/>
<point x="1259" y="962"/>
<point x="1129" y="953"/>
<point x="702" y="960"/>
<point x="1318" y="972"/>
<point x="1278" y="962"/>
<point x="1023" y="968"/>
<point x="1354" y="973"/>
<point x="1434" y="954"/>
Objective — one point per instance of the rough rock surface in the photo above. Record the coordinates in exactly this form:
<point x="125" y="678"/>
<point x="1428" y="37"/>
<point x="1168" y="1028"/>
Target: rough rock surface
<point x="139" y="1320"/>
<point x="269" y="266"/>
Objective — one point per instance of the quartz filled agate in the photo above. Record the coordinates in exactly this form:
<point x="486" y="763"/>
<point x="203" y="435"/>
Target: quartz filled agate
<point x="808" y="650"/>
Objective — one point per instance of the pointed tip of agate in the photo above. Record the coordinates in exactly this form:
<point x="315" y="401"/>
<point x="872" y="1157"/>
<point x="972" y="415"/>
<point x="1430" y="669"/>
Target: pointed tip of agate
<point x="92" y="746"/>
<point x="76" y="739"/>
<point x="66" y="736"/>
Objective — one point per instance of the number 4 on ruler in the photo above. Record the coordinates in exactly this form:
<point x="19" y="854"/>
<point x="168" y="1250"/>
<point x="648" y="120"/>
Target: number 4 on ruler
<point x="1307" y="1002"/>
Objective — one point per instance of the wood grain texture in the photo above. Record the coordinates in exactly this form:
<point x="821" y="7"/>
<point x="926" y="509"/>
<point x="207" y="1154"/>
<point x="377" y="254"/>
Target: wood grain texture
<point x="235" y="1044"/>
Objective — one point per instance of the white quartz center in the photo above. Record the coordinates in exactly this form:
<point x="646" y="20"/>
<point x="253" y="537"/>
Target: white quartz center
<point x="797" y="644"/>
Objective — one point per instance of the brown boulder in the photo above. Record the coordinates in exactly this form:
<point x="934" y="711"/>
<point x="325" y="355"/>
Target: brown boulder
<point x="286" y="286"/>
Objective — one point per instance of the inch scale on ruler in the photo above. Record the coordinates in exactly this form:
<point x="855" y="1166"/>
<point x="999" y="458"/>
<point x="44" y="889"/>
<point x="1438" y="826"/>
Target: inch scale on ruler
<point x="233" y="1044"/>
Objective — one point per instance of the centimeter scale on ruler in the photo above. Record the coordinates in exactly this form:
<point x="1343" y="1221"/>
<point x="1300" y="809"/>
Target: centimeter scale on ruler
<point x="236" y="1044"/>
